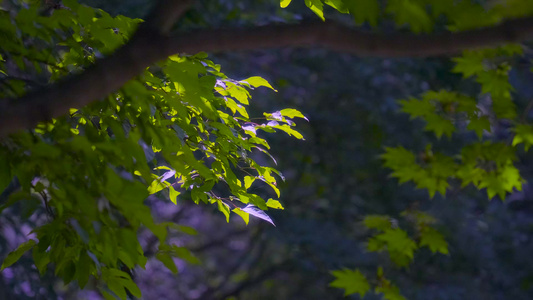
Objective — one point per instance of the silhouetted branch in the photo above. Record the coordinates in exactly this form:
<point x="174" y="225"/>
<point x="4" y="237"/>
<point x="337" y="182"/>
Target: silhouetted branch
<point x="341" y="38"/>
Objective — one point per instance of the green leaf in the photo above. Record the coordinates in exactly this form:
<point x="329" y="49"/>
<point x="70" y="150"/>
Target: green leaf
<point x="398" y="157"/>
<point x="168" y="261"/>
<point x="284" y="3"/>
<point x="5" y="172"/>
<point x="224" y="208"/>
<point x="417" y="108"/>
<point x="479" y="125"/>
<point x="131" y="286"/>
<point x="433" y="184"/>
<point x="363" y="11"/>
<point x="411" y="13"/>
<point x="495" y="83"/>
<point x="287" y="129"/>
<point x="274" y="204"/>
<point x="107" y="295"/>
<point x="351" y="281"/>
<point x="317" y="7"/>
<point x="83" y="268"/>
<point x="248" y="180"/>
<point x="256" y="81"/>
<point x="86" y="14"/>
<point x="41" y="258"/>
<point x="502" y="181"/>
<point x="338" y="5"/>
<point x="398" y="243"/>
<point x="403" y="163"/>
<point x="115" y="285"/>
<point x="157" y="186"/>
<point x="71" y="3"/>
<point x="185" y="229"/>
<point x="523" y="134"/>
<point x="292" y="113"/>
<point x="184" y="254"/>
<point x="16" y="254"/>
<point x="433" y="240"/>
<point x="244" y="215"/>
<point x="173" y="194"/>
<point x="374" y="245"/>
<point x="68" y="272"/>
<point x="439" y="125"/>
<point x="377" y="222"/>
<point x="471" y="63"/>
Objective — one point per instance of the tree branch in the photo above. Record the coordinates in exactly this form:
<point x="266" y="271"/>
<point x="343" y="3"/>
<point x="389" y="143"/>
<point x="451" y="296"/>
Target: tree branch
<point x="104" y="77"/>
<point x="151" y="44"/>
<point x="341" y="38"/>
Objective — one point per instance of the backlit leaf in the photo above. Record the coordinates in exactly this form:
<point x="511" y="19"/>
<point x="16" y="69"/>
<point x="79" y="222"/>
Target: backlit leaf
<point x="285" y="3"/>
<point x="292" y="113"/>
<point x="256" y="212"/>
<point x="274" y="204"/>
<point x="256" y="81"/>
<point x="244" y="215"/>
<point x="224" y="208"/>
<point x="317" y="7"/>
<point x="173" y="194"/>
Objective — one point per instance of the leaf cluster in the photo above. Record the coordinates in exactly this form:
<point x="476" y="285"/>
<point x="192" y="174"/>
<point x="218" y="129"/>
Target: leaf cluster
<point x="181" y="126"/>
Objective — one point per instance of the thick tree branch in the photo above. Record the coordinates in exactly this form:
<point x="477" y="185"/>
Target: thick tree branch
<point x="104" y="77"/>
<point x="341" y="38"/>
<point x="151" y="44"/>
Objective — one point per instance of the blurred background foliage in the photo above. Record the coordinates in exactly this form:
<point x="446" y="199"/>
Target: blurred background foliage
<point x="333" y="179"/>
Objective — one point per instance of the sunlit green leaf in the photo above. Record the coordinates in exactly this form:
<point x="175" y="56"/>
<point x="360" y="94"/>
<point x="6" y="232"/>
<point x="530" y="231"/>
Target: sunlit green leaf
<point x="256" y="81"/>
<point x="285" y="3"/>
<point x="173" y="194"/>
<point x="389" y="291"/>
<point x="317" y="7"/>
<point x="292" y="113"/>
<point x="274" y="204"/>
<point x="224" y="208"/>
<point x="244" y="215"/>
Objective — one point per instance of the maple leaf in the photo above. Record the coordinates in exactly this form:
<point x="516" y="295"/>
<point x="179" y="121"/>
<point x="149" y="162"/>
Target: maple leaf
<point x="434" y="240"/>
<point x="351" y="281"/>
